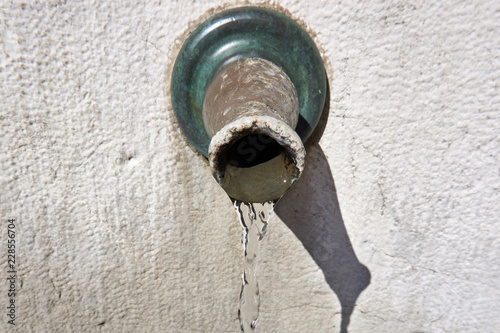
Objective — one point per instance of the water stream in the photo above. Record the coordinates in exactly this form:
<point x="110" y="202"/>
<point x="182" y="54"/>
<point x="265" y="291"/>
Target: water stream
<point x="258" y="173"/>
<point x="253" y="218"/>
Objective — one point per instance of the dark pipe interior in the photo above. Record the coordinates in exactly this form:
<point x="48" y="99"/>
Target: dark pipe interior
<point x="253" y="149"/>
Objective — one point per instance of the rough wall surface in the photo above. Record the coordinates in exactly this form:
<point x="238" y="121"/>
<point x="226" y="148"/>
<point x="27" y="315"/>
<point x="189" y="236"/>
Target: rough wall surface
<point x="394" y="226"/>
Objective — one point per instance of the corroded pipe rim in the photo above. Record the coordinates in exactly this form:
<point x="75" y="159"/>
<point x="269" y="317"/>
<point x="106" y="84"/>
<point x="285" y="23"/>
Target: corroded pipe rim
<point x="272" y="127"/>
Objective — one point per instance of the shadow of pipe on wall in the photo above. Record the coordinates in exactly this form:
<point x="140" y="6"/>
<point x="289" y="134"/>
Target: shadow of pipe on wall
<point x="311" y="211"/>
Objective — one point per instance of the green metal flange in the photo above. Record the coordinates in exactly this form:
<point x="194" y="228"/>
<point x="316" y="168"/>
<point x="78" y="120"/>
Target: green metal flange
<point x="251" y="32"/>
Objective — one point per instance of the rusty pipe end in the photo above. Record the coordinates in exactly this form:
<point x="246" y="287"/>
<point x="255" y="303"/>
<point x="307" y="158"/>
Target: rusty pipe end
<point x="256" y="158"/>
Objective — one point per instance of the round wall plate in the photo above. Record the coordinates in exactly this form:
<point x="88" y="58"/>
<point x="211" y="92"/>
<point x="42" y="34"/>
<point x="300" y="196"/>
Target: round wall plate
<point x="251" y="32"/>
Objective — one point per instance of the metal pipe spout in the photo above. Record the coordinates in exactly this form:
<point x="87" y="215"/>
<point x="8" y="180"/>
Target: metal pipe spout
<point x="250" y="110"/>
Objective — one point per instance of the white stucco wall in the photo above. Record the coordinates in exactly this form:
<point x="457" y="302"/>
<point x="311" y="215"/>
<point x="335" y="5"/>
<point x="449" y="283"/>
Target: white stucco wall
<point x="121" y="228"/>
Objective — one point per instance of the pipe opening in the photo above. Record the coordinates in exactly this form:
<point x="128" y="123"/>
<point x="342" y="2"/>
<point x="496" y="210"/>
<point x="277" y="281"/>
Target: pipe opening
<point x="256" y="159"/>
<point x="261" y="176"/>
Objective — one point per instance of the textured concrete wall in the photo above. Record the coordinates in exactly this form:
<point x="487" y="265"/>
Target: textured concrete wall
<point x="121" y="228"/>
